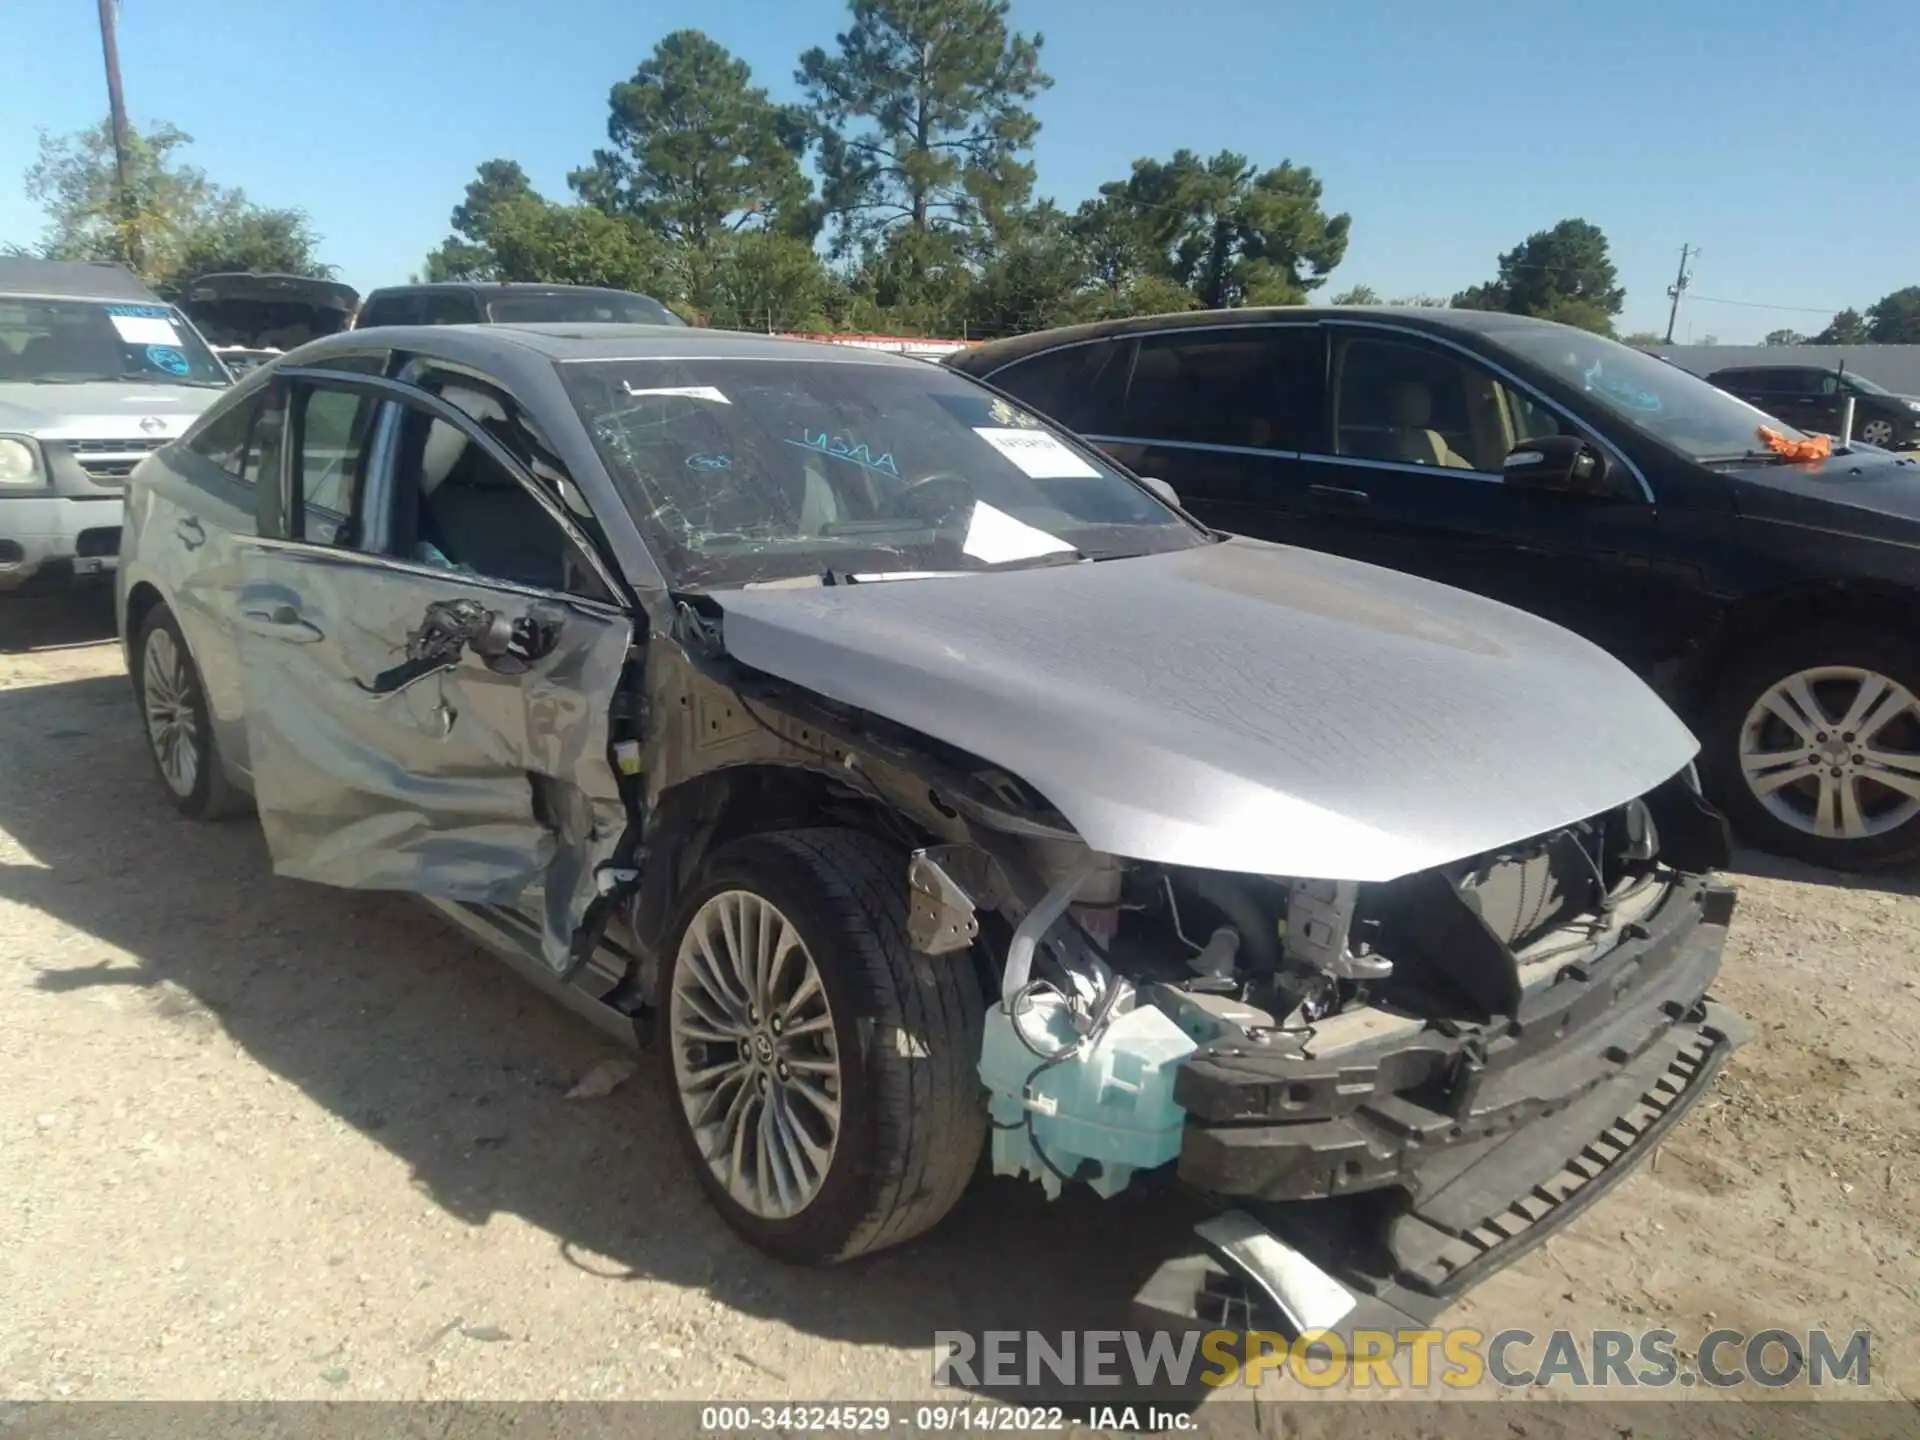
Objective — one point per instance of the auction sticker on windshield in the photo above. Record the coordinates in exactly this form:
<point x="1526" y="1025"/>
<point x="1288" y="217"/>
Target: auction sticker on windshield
<point x="146" y="329"/>
<point x="1039" y="455"/>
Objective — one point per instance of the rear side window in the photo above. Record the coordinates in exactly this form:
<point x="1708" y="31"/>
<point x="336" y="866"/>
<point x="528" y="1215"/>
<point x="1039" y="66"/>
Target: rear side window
<point x="1069" y="385"/>
<point x="1253" y="388"/>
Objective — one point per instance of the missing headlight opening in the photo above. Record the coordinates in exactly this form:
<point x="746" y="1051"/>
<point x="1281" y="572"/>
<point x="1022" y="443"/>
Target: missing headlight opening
<point x="1312" y="999"/>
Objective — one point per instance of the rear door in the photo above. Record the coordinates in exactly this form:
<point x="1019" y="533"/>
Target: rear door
<point x="1420" y="431"/>
<point x="436" y="727"/>
<point x="1223" y="413"/>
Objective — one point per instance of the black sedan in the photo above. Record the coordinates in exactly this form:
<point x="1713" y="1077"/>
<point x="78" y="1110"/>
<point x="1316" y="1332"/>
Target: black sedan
<point x="1771" y="598"/>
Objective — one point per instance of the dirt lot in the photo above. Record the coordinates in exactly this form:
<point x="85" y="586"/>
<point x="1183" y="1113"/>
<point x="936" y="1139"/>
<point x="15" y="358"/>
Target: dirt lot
<point x="260" y="1139"/>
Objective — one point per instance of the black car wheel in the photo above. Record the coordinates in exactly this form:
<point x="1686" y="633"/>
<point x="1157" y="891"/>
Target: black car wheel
<point x="1877" y="432"/>
<point x="822" y="1071"/>
<point x="173" y="709"/>
<point x="1813" y="747"/>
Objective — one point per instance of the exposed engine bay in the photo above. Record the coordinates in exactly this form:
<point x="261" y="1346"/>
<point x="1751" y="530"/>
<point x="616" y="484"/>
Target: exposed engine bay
<point x="1123" y="974"/>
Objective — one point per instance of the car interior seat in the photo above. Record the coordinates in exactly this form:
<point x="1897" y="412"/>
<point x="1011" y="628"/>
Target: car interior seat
<point x="475" y="513"/>
<point x="1410" y="412"/>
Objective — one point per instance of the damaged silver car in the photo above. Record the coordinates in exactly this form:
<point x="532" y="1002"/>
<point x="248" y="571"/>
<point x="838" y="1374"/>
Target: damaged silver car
<point x="922" y="787"/>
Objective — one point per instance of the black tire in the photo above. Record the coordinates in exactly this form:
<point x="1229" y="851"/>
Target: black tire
<point x="212" y="796"/>
<point x="908" y="1031"/>
<point x="1741" y="685"/>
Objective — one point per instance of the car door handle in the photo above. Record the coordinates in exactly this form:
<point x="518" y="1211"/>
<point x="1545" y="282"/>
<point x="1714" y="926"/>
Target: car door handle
<point x="191" y="532"/>
<point x="280" y="622"/>
<point x="1333" y="497"/>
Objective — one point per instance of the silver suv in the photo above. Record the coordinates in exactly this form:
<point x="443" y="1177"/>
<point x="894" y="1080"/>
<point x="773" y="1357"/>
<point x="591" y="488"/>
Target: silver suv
<point x="96" y="371"/>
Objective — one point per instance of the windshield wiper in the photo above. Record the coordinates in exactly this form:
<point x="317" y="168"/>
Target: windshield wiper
<point x="1032" y="562"/>
<point x="1748" y="457"/>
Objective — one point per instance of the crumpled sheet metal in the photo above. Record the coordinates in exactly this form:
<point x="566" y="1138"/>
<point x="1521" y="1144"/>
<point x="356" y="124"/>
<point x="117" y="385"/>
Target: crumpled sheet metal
<point x="432" y="788"/>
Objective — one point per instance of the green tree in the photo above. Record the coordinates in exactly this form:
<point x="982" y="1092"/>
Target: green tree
<point x="180" y="225"/>
<point x="1846" y="328"/>
<point x="535" y="239"/>
<point x="1233" y="234"/>
<point x="1358" y="295"/>
<point x="1641" y="339"/>
<point x="247" y="238"/>
<point x="1035" y="277"/>
<point x="1895" y="319"/>
<point x="699" y="153"/>
<point x="766" y="280"/>
<point x="467" y="254"/>
<point x="921" y="116"/>
<point x="1562" y="274"/>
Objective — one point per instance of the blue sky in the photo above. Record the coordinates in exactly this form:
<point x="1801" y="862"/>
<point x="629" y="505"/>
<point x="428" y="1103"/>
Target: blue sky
<point x="1751" y="128"/>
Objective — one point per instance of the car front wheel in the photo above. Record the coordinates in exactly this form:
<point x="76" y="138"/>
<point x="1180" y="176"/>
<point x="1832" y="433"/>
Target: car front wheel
<point x="823" y="1072"/>
<point x="179" y="728"/>
<point x="1814" y="747"/>
<point x="1877" y="432"/>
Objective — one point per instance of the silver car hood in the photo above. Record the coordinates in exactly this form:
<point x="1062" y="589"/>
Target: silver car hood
<point x="1239" y="706"/>
<point x="103" y="410"/>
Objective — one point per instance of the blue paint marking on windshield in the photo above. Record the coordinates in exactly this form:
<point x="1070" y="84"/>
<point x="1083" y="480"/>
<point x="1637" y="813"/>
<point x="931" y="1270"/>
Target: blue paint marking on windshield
<point x="149" y="312"/>
<point x="709" y="462"/>
<point x="841" y="448"/>
<point x="165" y="357"/>
<point x="1624" y="391"/>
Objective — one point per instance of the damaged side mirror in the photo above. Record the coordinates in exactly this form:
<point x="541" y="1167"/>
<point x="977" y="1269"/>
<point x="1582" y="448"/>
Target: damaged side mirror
<point x="505" y="644"/>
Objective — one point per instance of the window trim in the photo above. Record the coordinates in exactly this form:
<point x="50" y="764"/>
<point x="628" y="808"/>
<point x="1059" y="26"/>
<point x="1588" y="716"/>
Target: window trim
<point x="419" y="399"/>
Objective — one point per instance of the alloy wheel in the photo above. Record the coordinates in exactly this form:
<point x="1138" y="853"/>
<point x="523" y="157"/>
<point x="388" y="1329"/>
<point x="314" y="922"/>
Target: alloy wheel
<point x="1877" y="432"/>
<point x="167" y="692"/>
<point x="755" y="1057"/>
<point x="1834" y="752"/>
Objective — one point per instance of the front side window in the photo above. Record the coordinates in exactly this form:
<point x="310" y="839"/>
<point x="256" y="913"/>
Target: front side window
<point x="463" y="511"/>
<point x="745" y="471"/>
<point x="1413" y="404"/>
<point x="1674" y="406"/>
<point x="336" y="431"/>
<point x="1252" y="388"/>
<point x="73" y="342"/>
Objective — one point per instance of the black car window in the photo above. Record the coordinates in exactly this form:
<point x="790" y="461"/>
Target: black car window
<point x="461" y="510"/>
<point x="1067" y="385"/>
<point x="571" y="307"/>
<point x="1248" y="387"/>
<point x="403" y="308"/>
<point x="449" y="307"/>
<point x="222" y="440"/>
<point x="336" y="432"/>
<point x="1418" y="405"/>
<point x="1822" y="382"/>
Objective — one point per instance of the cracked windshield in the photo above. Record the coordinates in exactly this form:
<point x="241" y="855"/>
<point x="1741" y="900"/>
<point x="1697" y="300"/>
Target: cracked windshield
<point x="49" y="342"/>
<point x="746" y="472"/>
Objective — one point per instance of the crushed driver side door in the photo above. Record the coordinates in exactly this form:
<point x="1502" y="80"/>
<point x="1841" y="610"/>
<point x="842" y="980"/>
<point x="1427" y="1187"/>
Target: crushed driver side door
<point x="414" y="728"/>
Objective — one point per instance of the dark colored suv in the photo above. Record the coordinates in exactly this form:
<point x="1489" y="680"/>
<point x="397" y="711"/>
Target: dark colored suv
<point x="1771" y="600"/>
<point x="464" y="303"/>
<point x="1812" y="398"/>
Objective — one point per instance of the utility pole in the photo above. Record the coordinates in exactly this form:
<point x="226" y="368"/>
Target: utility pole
<point x="123" y="192"/>
<point x="1673" y="290"/>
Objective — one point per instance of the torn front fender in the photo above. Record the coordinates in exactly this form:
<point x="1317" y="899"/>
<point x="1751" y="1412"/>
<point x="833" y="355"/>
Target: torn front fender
<point x="440" y="735"/>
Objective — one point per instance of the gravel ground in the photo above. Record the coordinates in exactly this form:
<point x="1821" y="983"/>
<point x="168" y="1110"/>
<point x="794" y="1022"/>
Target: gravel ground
<point x="265" y="1140"/>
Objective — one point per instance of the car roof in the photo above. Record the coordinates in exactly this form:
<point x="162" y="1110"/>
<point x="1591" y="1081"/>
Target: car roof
<point x="71" y="280"/>
<point x="560" y="342"/>
<point x="499" y="287"/>
<point x="996" y="353"/>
